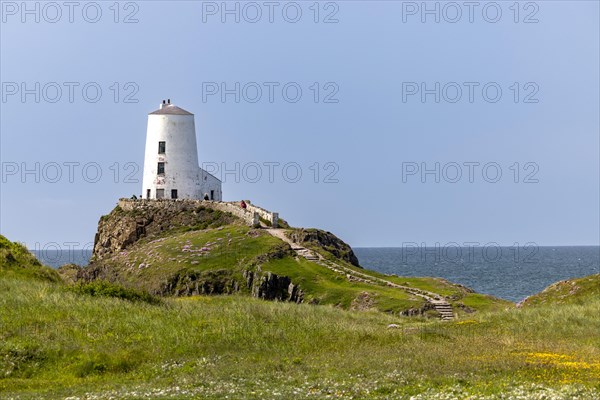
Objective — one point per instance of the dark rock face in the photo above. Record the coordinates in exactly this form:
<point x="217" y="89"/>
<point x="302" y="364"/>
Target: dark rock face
<point x="97" y="271"/>
<point x="120" y="229"/>
<point x="273" y="287"/>
<point x="267" y="286"/>
<point x="194" y="283"/>
<point x="326" y="240"/>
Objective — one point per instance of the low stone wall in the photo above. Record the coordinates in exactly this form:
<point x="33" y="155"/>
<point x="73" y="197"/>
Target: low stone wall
<point x="272" y="217"/>
<point x="249" y="216"/>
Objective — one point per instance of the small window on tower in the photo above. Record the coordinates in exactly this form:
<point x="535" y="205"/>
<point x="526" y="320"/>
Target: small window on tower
<point x="147" y="193"/>
<point x="162" y="147"/>
<point x="160" y="193"/>
<point x="161" y="168"/>
<point x="173" y="193"/>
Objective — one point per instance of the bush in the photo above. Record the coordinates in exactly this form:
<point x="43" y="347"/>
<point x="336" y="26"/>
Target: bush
<point x="107" y="289"/>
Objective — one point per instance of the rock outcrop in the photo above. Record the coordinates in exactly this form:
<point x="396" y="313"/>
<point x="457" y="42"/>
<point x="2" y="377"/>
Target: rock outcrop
<point x="120" y="229"/>
<point x="413" y="312"/>
<point x="326" y="241"/>
<point x="190" y="283"/>
<point x="270" y="286"/>
<point x="149" y="223"/>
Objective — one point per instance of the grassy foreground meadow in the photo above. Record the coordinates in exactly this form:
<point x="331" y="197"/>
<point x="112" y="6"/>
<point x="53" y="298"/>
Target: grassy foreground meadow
<point x="58" y="343"/>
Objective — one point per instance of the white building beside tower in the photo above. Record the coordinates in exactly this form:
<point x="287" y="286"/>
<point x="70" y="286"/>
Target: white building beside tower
<point x="171" y="169"/>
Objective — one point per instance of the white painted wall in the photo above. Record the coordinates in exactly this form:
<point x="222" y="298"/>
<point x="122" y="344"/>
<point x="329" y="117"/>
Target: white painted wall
<point x="210" y="184"/>
<point x="182" y="171"/>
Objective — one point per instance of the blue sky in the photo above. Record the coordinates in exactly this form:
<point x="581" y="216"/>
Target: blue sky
<point x="361" y="130"/>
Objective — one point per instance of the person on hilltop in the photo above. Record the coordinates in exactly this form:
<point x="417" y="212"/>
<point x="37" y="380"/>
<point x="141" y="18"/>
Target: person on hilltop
<point x="205" y="196"/>
<point x="243" y="204"/>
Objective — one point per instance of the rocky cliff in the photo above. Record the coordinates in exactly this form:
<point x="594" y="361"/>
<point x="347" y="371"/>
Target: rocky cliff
<point x="121" y="228"/>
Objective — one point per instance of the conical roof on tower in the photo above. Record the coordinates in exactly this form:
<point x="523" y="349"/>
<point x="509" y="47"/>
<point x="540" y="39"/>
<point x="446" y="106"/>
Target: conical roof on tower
<point x="166" y="108"/>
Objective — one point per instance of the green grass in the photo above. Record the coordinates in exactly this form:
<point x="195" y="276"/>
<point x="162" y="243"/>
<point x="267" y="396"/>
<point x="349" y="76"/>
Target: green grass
<point x="150" y="264"/>
<point x="107" y="289"/>
<point x="56" y="343"/>
<point x="573" y="291"/>
<point x="327" y="287"/>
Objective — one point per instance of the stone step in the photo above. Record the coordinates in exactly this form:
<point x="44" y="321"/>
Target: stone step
<point x="444" y="309"/>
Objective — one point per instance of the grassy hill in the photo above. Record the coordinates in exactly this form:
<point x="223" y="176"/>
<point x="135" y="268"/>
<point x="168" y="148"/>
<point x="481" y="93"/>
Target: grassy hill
<point x="572" y="291"/>
<point x="204" y="251"/>
<point x="18" y="262"/>
<point x="56" y="343"/>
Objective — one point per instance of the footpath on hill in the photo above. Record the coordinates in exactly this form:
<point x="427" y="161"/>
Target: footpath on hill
<point x="440" y="304"/>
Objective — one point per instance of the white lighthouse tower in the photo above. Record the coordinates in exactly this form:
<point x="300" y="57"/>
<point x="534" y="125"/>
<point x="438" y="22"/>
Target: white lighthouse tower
<point x="171" y="169"/>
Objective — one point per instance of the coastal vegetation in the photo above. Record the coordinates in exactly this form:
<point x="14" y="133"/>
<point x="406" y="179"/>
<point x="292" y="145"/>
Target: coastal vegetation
<point x="58" y="343"/>
<point x="177" y="308"/>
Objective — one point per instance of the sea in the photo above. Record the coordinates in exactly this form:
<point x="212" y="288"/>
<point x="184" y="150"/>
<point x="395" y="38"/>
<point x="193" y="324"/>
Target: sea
<point x="511" y="273"/>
